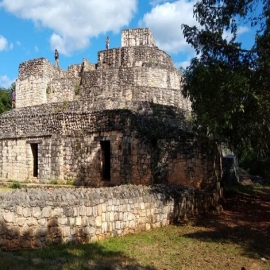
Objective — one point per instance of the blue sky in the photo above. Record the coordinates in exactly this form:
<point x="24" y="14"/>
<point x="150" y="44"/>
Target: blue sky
<point x="31" y="29"/>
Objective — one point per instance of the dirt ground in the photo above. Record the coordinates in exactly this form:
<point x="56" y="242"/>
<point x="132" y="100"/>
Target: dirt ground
<point x="245" y="219"/>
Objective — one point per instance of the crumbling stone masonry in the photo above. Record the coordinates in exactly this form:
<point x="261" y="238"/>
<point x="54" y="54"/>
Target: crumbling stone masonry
<point x="122" y="120"/>
<point x="122" y="126"/>
<point x="35" y="218"/>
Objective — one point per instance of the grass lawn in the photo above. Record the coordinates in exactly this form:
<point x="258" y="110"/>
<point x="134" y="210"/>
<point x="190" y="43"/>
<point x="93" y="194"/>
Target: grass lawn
<point x="238" y="237"/>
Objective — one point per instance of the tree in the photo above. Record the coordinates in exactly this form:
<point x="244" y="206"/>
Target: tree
<point x="5" y="98"/>
<point x="229" y="85"/>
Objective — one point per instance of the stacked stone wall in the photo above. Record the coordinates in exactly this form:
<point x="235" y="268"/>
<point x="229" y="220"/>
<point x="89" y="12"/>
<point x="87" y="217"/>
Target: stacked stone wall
<point x="63" y="89"/>
<point x="87" y="66"/>
<point x="16" y="161"/>
<point x="39" y="67"/>
<point x="35" y="218"/>
<point x="141" y="72"/>
<point x="68" y="117"/>
<point x="137" y="37"/>
<point x="152" y="84"/>
<point x="31" y="91"/>
<point x="133" y="57"/>
<point x="144" y="148"/>
<point x="75" y="70"/>
<point x="36" y="79"/>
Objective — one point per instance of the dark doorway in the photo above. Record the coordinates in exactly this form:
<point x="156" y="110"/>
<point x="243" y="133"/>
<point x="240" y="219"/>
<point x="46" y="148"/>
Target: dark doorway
<point x="106" y="160"/>
<point x="34" y="148"/>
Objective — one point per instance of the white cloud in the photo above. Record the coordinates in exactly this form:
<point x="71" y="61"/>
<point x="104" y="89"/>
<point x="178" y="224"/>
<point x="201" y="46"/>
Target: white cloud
<point x="11" y="46"/>
<point x="36" y="48"/>
<point x="73" y="23"/>
<point x="3" y="43"/>
<point x="157" y="2"/>
<point x="5" y="81"/>
<point x="165" y="22"/>
<point x="242" y="30"/>
<point x="18" y="43"/>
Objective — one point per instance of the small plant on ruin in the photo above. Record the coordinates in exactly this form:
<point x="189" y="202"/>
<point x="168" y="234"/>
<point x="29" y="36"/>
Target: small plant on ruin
<point x="48" y="90"/>
<point x="64" y="106"/>
<point x="78" y="145"/>
<point x="16" y="185"/>
<point x="70" y="182"/>
<point x="151" y="60"/>
<point x="77" y="89"/>
<point x="54" y="182"/>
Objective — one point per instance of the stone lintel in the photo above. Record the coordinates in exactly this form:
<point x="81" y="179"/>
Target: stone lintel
<point x="36" y="141"/>
<point x="105" y="138"/>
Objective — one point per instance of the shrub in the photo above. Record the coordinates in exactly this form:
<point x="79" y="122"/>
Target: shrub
<point x="16" y="185"/>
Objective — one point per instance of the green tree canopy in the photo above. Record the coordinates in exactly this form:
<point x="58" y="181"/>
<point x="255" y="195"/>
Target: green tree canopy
<point x="5" y="98"/>
<point x="229" y="85"/>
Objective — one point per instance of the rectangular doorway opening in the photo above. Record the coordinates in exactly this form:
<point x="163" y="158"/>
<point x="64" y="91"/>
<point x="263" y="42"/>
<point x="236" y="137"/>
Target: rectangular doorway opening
<point x="105" y="160"/>
<point x="34" y="148"/>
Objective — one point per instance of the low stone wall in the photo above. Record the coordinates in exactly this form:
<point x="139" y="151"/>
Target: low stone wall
<point x="35" y="218"/>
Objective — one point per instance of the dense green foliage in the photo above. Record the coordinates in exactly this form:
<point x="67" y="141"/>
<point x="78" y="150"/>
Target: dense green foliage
<point x="5" y="101"/>
<point x="228" y="84"/>
<point x="5" y="98"/>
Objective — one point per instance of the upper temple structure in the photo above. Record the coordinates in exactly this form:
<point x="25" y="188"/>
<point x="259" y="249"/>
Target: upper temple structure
<point x="138" y="71"/>
<point x="121" y="120"/>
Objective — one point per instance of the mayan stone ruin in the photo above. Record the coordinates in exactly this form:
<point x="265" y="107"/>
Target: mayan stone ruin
<point x="122" y="120"/>
<point x="119" y="130"/>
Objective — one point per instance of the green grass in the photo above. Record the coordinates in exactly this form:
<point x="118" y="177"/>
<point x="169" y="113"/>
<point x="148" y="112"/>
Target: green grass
<point x="53" y="182"/>
<point x="173" y="247"/>
<point x="15" y="185"/>
<point x="246" y="190"/>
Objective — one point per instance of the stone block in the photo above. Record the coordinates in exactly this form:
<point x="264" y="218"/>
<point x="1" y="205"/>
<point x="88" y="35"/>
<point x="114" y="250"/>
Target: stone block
<point x="57" y="212"/>
<point x="36" y="243"/>
<point x="85" y="221"/>
<point x="9" y="217"/>
<point x="82" y="210"/>
<point x="104" y="227"/>
<point x="98" y="221"/>
<point x="78" y="221"/>
<point x="42" y="221"/>
<point x="19" y="210"/>
<point x="36" y="212"/>
<point x="66" y="231"/>
<point x="63" y="221"/>
<point x="46" y="212"/>
<point x="31" y="221"/>
<point x="20" y="221"/>
<point x="26" y="212"/>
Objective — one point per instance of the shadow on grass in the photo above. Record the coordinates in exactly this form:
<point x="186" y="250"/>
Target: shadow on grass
<point x="69" y="256"/>
<point x="245" y="222"/>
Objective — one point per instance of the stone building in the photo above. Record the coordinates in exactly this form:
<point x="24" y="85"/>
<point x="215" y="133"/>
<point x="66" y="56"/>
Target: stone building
<point x="121" y="120"/>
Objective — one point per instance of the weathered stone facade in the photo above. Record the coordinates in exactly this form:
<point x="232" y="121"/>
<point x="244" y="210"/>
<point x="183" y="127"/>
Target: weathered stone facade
<point x="35" y="218"/>
<point x="121" y="120"/>
<point x="137" y="37"/>
<point x="40" y="82"/>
